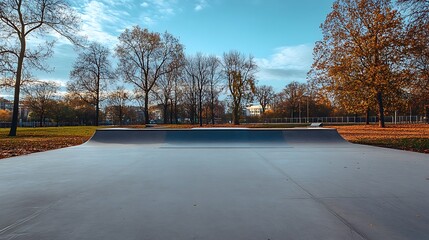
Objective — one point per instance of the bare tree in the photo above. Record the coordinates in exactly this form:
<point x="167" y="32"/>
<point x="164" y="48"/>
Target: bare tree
<point x="418" y="10"/>
<point x="40" y="97"/>
<point x="264" y="95"/>
<point x="214" y="84"/>
<point x="178" y="96"/>
<point x="143" y="57"/>
<point x="164" y="92"/>
<point x="21" y="19"/>
<point x="118" y="100"/>
<point x="293" y="94"/>
<point x="165" y="89"/>
<point x="240" y="74"/>
<point x="201" y="69"/>
<point x="190" y="93"/>
<point x="90" y="76"/>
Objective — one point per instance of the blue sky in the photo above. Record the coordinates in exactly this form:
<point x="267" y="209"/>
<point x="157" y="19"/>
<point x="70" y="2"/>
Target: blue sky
<point x="280" y="34"/>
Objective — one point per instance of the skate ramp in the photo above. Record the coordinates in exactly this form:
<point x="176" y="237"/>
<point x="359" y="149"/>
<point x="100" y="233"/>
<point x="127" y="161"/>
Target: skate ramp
<point x="218" y="137"/>
<point x="215" y="184"/>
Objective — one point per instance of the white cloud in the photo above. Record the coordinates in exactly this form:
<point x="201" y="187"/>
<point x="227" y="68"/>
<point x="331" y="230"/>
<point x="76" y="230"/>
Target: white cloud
<point x="102" y="19"/>
<point x="62" y="83"/>
<point x="156" y="10"/>
<point x="289" y="63"/>
<point x="6" y="95"/>
<point x="93" y="16"/>
<point x="126" y="3"/>
<point x="200" y="5"/>
<point x="161" y="3"/>
<point x="148" y="20"/>
<point x="167" y="11"/>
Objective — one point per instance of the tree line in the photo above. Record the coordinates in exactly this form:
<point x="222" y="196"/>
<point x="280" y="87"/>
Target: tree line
<point x="177" y="102"/>
<point x="156" y="66"/>
<point x="373" y="58"/>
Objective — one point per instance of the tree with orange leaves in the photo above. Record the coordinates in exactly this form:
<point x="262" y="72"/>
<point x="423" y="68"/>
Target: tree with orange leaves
<point x="360" y="59"/>
<point x="5" y="115"/>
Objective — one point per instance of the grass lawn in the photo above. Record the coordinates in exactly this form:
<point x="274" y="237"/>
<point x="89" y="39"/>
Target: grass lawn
<point x="28" y="140"/>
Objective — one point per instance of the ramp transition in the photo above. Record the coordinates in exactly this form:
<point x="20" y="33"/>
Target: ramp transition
<point x="217" y="136"/>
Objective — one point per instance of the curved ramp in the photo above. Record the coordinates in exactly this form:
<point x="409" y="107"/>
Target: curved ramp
<point x="217" y="136"/>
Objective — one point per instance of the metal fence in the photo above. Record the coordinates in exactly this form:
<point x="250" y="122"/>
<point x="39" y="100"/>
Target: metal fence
<point x="36" y="124"/>
<point x="341" y="120"/>
<point x="303" y="120"/>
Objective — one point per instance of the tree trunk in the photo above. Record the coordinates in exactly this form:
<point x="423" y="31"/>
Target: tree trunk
<point x="193" y="112"/>
<point x="212" y="115"/>
<point x="97" y="101"/>
<point x="146" y="107"/>
<point x="176" y="112"/>
<point x="165" y="110"/>
<point x="171" y="111"/>
<point x="120" y="115"/>
<point x="426" y="113"/>
<point x="236" y="114"/>
<point x="236" y="118"/>
<point x="200" y="110"/>
<point x="367" y="117"/>
<point x="380" y="110"/>
<point x="15" y="112"/>
<point x="97" y="110"/>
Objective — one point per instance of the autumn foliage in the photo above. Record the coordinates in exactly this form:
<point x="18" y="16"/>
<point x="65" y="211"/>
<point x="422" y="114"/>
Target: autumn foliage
<point x="5" y="115"/>
<point x="360" y="61"/>
<point x="411" y="137"/>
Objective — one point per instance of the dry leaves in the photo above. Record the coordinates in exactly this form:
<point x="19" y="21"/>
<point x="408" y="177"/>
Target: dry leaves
<point x="359" y="132"/>
<point x="11" y="147"/>
<point x="412" y="137"/>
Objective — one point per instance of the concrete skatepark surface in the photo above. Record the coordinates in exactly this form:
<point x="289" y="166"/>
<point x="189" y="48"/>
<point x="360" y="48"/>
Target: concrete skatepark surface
<point x="216" y="184"/>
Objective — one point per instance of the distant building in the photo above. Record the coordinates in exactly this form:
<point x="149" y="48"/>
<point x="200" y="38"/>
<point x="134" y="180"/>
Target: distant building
<point x="255" y="110"/>
<point x="23" y="113"/>
<point x="6" y="104"/>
